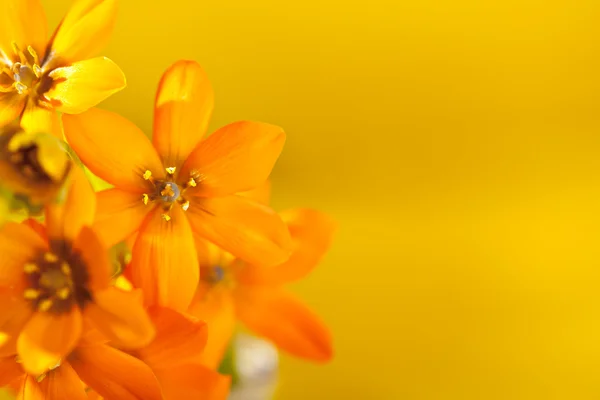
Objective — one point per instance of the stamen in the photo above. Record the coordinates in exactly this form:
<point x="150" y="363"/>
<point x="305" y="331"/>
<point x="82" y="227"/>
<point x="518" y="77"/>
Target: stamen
<point x="166" y="217"/>
<point x="45" y="305"/>
<point x="30" y="268"/>
<point x="147" y="175"/>
<point x="192" y="182"/>
<point x="63" y="293"/>
<point x="31" y="51"/>
<point x="185" y="205"/>
<point x="40" y="377"/>
<point x="18" y="52"/>
<point x="21" y="88"/>
<point x="171" y="170"/>
<point x="51" y="258"/>
<point x="145" y="199"/>
<point x="65" y="268"/>
<point x="31" y="294"/>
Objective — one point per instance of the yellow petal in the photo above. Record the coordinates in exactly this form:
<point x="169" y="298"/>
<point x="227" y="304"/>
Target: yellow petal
<point x="37" y="119"/>
<point x="47" y="338"/>
<point x="22" y="22"/>
<point x="83" y="84"/>
<point x="121" y="317"/>
<point x="11" y="107"/>
<point x="84" y="31"/>
<point x="183" y="107"/>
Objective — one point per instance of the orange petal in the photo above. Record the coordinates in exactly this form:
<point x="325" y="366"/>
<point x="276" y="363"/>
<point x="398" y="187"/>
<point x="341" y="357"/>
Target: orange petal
<point x="84" y="31"/>
<point x="261" y="194"/>
<point x="9" y="370"/>
<point x="115" y="374"/>
<point x="246" y="229"/>
<point x="217" y="309"/>
<point x="95" y="256"/>
<point x="36" y="119"/>
<point x="14" y="314"/>
<point x="183" y="106"/>
<point x="164" y="261"/>
<point x="119" y="214"/>
<point x="285" y="321"/>
<point x="11" y="107"/>
<point x="22" y="22"/>
<point x="312" y="233"/>
<point x="83" y="84"/>
<point x="209" y="254"/>
<point x="121" y="317"/>
<point x="63" y="383"/>
<point x="113" y="148"/>
<point x="179" y="339"/>
<point x="18" y="244"/>
<point x="38" y="227"/>
<point x="30" y="389"/>
<point x="235" y="158"/>
<point x="47" y="338"/>
<point x="66" y="220"/>
<point x="192" y="381"/>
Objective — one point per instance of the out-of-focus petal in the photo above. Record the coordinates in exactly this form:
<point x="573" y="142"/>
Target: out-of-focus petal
<point x="179" y="339"/>
<point x="261" y="194"/>
<point x="14" y="314"/>
<point x="9" y="370"/>
<point x="245" y="228"/>
<point x="217" y="309"/>
<point x="193" y="381"/>
<point x="118" y="215"/>
<point x="113" y="148"/>
<point x="164" y="261"/>
<point x="115" y="374"/>
<point x="312" y="233"/>
<point x="83" y="84"/>
<point x="47" y="338"/>
<point x="23" y="22"/>
<point x="183" y="106"/>
<point x="11" y="107"/>
<point x="95" y="256"/>
<point x="83" y="33"/>
<point x="285" y="321"/>
<point x="62" y="383"/>
<point x="18" y="243"/>
<point x="64" y="221"/>
<point x="121" y="317"/>
<point x="237" y="157"/>
<point x="36" y="119"/>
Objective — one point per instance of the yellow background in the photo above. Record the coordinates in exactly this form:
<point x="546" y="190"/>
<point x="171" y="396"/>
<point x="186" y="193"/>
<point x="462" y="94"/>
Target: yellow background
<point x="457" y="142"/>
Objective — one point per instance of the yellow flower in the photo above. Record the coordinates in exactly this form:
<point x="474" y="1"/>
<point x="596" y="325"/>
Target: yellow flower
<point x="39" y="78"/>
<point x="32" y="164"/>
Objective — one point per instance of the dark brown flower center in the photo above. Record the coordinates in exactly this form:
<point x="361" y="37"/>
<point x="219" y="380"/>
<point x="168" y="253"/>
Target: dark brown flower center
<point x="57" y="280"/>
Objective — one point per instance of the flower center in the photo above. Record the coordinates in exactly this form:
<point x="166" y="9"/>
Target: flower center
<point x="56" y="281"/>
<point x="167" y="192"/>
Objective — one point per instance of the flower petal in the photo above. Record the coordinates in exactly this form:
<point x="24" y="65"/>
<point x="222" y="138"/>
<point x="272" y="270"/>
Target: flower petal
<point x="30" y="389"/>
<point x="113" y="148"/>
<point x="261" y="194"/>
<point x="121" y="317"/>
<point x="235" y="158"/>
<point x="95" y="256"/>
<point x="18" y="244"/>
<point x="38" y="227"/>
<point x="9" y="370"/>
<point x="63" y="383"/>
<point x="179" y="339"/>
<point x="183" y="106"/>
<point x="83" y="33"/>
<point x="11" y="107"/>
<point x="118" y="215"/>
<point x="312" y="233"/>
<point x="193" y="381"/>
<point x="14" y="314"/>
<point x="246" y="229"/>
<point x="217" y="309"/>
<point x="22" y="22"/>
<point x="83" y="84"/>
<point x="36" y="119"/>
<point x="47" y="338"/>
<point x="64" y="221"/>
<point x="288" y="323"/>
<point x="115" y="374"/>
<point x="164" y="261"/>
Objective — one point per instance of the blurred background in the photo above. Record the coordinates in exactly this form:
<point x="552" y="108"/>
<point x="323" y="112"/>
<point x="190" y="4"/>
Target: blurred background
<point x="457" y="144"/>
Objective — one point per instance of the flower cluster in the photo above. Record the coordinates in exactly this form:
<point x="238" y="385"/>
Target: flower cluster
<point x="134" y="292"/>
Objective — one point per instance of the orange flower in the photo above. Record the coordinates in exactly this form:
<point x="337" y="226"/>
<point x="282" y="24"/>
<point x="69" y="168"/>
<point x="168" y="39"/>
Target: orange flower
<point x="181" y="184"/>
<point x="110" y="372"/>
<point x="39" y="78"/>
<point x="55" y="278"/>
<point x="233" y="289"/>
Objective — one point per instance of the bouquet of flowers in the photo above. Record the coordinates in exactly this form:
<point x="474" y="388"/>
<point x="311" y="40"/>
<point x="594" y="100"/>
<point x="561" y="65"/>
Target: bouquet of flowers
<point x="127" y="263"/>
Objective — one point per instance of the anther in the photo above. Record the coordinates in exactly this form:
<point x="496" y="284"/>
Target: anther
<point x="45" y="305"/>
<point x="30" y="268"/>
<point x="166" y="217"/>
<point x="192" y="182"/>
<point x="147" y="175"/>
<point x="63" y="293"/>
<point x="145" y="199"/>
<point x="171" y="170"/>
<point x="33" y="53"/>
<point x="65" y="268"/>
<point x="185" y="205"/>
<point x="51" y="258"/>
<point x="31" y="294"/>
<point x="40" y="377"/>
